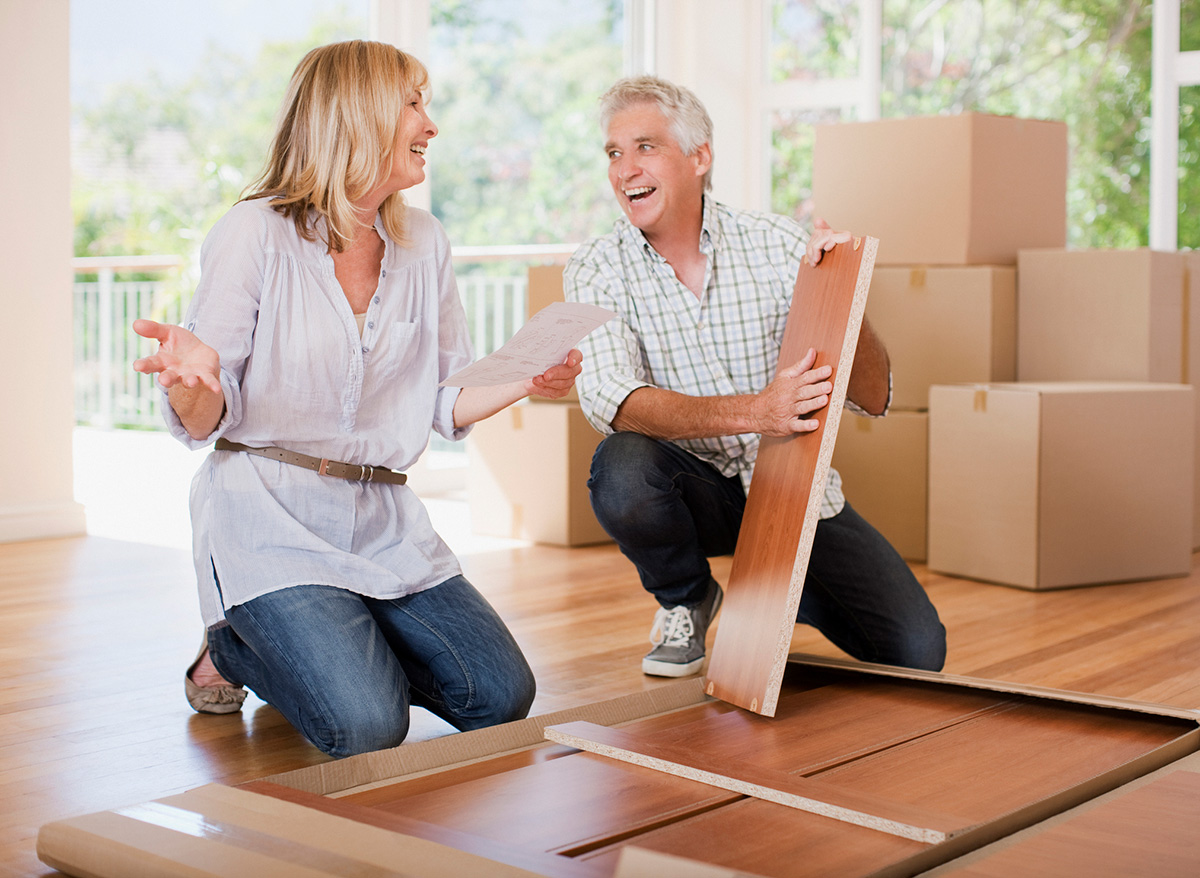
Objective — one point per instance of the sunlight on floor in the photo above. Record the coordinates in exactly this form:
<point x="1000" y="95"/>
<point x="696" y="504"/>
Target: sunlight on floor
<point x="134" y="486"/>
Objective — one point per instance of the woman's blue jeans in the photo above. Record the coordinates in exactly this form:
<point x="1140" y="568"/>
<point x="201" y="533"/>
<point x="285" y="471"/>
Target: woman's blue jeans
<point x="669" y="512"/>
<point x="344" y="669"/>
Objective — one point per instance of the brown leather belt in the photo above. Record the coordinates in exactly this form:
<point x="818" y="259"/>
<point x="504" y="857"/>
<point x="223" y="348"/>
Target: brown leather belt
<point x="355" y="472"/>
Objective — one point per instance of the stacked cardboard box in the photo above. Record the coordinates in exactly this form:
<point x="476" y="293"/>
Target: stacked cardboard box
<point x="529" y="465"/>
<point x="974" y="287"/>
<point x="952" y="199"/>
<point x="1112" y="315"/>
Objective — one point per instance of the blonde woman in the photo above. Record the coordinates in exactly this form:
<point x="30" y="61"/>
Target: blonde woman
<point x="326" y="315"/>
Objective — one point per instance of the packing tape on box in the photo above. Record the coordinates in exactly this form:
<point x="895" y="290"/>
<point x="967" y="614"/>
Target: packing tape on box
<point x="516" y="417"/>
<point x="980" y="403"/>
<point x="518" y="521"/>
<point x="916" y="277"/>
<point x="863" y="424"/>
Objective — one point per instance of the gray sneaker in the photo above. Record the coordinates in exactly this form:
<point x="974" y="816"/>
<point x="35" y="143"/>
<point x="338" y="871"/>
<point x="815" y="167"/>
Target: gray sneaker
<point x="678" y="637"/>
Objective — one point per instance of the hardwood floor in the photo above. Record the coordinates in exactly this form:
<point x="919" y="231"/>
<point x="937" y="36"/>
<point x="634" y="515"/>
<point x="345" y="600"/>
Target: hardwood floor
<point x="95" y="633"/>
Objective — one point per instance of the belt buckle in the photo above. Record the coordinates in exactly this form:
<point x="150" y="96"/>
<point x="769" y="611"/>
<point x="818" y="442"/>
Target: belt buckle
<point x="321" y="470"/>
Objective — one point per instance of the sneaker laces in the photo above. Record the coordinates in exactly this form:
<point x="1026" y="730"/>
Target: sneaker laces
<point x="672" y="627"/>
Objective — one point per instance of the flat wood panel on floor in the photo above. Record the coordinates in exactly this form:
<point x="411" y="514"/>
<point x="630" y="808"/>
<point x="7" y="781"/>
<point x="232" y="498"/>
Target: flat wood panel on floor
<point x="784" y="500"/>
<point x="563" y="806"/>
<point x="1000" y="761"/>
<point x="92" y="715"/>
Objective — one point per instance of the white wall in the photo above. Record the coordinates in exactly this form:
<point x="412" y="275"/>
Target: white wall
<point x="35" y="276"/>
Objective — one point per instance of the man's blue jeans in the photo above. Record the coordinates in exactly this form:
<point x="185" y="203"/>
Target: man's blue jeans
<point x="344" y="669"/>
<point x="669" y="512"/>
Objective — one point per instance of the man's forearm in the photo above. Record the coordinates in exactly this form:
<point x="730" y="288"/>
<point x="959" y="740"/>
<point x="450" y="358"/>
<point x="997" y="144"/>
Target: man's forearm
<point x="665" y="414"/>
<point x="868" y="385"/>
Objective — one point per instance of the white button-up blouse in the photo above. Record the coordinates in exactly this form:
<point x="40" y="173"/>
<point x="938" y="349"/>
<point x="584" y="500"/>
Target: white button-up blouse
<point x="296" y="374"/>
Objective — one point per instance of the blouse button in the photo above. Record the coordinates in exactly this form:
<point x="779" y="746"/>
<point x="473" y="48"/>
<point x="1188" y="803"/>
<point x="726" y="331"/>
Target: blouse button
<point x="371" y="325"/>
<point x="364" y="350"/>
<point x="376" y="300"/>
<point x="383" y="272"/>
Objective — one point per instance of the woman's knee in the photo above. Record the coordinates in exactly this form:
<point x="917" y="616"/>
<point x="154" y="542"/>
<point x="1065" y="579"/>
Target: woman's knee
<point x="361" y="728"/>
<point x="506" y="695"/>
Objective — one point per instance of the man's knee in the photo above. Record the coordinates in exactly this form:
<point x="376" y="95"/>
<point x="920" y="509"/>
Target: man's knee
<point x="623" y="479"/>
<point x="923" y="647"/>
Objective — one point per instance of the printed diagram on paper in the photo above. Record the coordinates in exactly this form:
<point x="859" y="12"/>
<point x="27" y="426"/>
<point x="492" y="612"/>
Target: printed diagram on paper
<point x="541" y="343"/>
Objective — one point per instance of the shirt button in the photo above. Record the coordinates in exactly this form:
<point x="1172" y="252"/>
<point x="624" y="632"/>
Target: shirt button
<point x="383" y="272"/>
<point x="376" y="300"/>
<point x="371" y="325"/>
<point x="364" y="350"/>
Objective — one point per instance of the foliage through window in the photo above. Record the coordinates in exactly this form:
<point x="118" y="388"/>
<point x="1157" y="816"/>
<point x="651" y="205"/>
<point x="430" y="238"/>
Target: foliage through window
<point x="1085" y="62"/>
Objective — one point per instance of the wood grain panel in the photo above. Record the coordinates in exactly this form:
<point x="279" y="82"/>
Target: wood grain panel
<point x="500" y="853"/>
<point x="564" y="806"/>
<point x="820" y="728"/>
<point x="768" y="839"/>
<point x="739" y="776"/>
<point x="994" y="764"/>
<point x="783" y="504"/>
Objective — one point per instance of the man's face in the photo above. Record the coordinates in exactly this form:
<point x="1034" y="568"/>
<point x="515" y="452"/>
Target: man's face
<point x="658" y="187"/>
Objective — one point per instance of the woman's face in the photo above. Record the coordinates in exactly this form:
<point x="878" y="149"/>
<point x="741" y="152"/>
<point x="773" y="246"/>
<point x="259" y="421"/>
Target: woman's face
<point x="408" y="158"/>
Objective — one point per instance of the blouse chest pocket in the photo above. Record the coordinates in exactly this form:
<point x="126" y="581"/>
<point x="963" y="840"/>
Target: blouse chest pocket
<point x="395" y="351"/>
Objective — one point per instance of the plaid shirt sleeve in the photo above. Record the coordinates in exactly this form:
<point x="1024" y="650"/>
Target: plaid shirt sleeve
<point x="613" y="362"/>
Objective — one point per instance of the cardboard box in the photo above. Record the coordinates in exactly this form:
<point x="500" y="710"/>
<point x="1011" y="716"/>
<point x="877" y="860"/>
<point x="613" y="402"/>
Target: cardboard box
<point x="1060" y="484"/>
<point x="945" y="326"/>
<point x="545" y="286"/>
<point x="971" y="189"/>
<point x="1111" y="315"/>
<point x="527" y="475"/>
<point x="884" y="464"/>
<point x="1101" y="315"/>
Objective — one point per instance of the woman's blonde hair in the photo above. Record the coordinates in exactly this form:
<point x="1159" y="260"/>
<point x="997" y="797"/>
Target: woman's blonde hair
<point x="335" y="137"/>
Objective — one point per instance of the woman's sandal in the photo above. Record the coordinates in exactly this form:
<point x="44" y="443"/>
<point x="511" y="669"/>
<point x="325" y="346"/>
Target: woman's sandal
<point x="211" y="699"/>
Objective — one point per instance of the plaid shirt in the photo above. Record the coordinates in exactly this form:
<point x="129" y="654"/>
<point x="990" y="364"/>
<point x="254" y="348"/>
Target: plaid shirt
<point x="664" y="336"/>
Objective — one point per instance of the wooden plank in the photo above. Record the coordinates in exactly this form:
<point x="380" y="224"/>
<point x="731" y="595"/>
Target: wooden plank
<point x="894" y="817"/>
<point x="771" y="558"/>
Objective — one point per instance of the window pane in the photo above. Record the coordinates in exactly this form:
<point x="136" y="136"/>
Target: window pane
<point x="792" y="138"/>
<point x="518" y="159"/>
<point x="173" y="110"/>
<point x="814" y="39"/>
<point x="1189" y="167"/>
<point x="1189" y="26"/>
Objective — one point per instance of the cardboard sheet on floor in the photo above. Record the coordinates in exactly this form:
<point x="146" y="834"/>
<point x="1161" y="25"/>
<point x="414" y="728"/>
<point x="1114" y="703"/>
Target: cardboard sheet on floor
<point x="784" y="501"/>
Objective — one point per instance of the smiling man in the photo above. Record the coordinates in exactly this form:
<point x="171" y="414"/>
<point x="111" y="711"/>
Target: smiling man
<point x="683" y="383"/>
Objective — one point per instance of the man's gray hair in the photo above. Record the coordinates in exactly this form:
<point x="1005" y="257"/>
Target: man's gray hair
<point x="686" y="116"/>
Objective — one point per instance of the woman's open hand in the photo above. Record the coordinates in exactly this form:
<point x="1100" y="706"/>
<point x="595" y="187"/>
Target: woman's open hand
<point x="181" y="357"/>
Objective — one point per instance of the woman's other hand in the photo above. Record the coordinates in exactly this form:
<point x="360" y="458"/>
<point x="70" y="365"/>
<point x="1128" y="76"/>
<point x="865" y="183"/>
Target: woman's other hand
<point x="557" y="381"/>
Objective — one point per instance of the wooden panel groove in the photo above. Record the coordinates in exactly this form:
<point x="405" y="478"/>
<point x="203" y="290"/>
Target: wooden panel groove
<point x="783" y="504"/>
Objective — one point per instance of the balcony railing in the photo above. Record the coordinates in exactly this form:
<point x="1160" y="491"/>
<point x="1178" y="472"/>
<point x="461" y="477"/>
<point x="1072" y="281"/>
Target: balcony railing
<point x="108" y="393"/>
